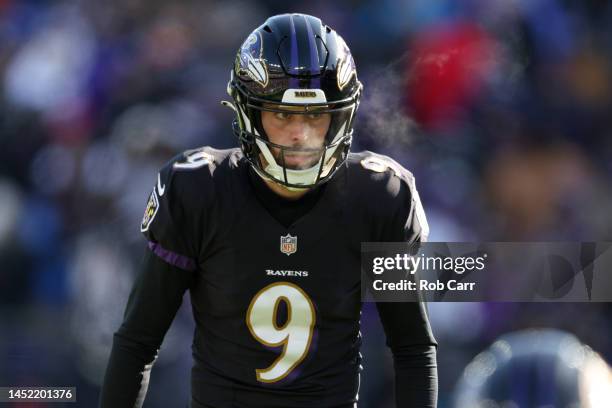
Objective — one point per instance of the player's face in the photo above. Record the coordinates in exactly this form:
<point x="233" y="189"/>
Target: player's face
<point x="301" y="131"/>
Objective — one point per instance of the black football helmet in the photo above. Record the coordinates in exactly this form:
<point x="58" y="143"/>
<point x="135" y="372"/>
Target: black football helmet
<point x="294" y="63"/>
<point x="535" y="368"/>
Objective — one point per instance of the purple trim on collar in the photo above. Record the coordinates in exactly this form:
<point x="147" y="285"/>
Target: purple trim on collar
<point x="173" y="258"/>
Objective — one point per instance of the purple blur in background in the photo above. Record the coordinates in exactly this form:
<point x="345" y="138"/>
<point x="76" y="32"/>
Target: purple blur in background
<point x="500" y="108"/>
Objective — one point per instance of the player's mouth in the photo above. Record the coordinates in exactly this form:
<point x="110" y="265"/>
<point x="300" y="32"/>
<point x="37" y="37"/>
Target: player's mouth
<point x="301" y="160"/>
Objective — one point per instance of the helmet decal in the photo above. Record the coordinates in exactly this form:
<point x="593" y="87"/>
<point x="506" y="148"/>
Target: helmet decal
<point x="251" y="60"/>
<point x="346" y="65"/>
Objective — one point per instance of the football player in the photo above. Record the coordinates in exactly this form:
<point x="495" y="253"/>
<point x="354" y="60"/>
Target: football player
<point x="266" y="238"/>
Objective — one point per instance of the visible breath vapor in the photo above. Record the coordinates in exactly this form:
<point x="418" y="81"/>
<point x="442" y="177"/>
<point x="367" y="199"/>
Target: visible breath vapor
<point x="477" y="67"/>
<point x="382" y="112"/>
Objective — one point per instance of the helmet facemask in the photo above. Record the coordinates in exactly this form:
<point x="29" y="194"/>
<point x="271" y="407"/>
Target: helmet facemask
<point x="269" y="159"/>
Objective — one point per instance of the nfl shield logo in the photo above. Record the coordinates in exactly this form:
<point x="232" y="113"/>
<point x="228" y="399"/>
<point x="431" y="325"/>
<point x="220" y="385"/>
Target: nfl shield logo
<point x="288" y="244"/>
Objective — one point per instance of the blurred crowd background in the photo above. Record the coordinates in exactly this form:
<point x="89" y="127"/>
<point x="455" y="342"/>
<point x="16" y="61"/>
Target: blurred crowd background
<point x="501" y="109"/>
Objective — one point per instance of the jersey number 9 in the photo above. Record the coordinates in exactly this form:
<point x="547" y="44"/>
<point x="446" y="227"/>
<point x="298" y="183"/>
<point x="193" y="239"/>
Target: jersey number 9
<point x="295" y="335"/>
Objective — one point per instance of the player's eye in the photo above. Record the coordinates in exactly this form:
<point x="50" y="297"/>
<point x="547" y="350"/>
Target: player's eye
<point x="281" y="115"/>
<point x="314" y="116"/>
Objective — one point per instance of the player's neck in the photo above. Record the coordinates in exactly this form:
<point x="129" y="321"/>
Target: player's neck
<point x="285" y="192"/>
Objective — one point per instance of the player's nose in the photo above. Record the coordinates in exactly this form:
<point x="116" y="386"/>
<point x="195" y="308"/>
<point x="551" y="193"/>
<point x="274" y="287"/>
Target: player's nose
<point x="299" y="130"/>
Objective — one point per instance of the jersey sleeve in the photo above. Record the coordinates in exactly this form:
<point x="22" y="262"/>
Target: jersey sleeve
<point x="407" y="222"/>
<point x="166" y="272"/>
<point x="406" y="324"/>
<point x="168" y="220"/>
<point x="153" y="302"/>
<point x="397" y="209"/>
<point x="415" y="227"/>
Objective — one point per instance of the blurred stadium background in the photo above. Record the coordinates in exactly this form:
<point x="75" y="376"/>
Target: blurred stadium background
<point x="501" y="108"/>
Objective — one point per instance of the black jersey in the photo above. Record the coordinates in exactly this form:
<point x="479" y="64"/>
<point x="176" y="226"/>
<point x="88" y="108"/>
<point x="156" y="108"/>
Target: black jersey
<point x="276" y="301"/>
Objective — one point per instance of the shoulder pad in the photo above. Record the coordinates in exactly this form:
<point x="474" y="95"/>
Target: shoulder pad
<point x="395" y="187"/>
<point x="166" y="186"/>
<point x="378" y="163"/>
<point x="175" y="207"/>
<point x="193" y="159"/>
<point x="203" y="156"/>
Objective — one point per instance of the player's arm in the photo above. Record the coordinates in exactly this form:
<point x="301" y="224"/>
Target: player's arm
<point x="166" y="272"/>
<point x="414" y="353"/>
<point x="154" y="300"/>
<point x="406" y="324"/>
